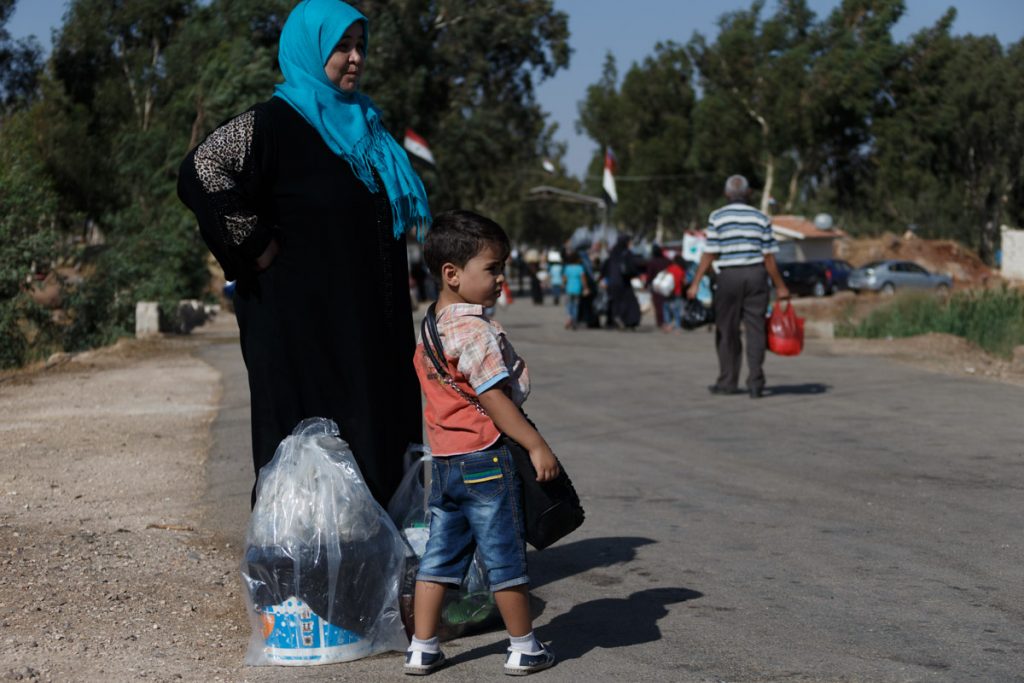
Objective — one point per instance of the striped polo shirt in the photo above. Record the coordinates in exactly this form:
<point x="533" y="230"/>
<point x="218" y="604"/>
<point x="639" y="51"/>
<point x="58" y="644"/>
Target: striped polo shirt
<point x="740" y="235"/>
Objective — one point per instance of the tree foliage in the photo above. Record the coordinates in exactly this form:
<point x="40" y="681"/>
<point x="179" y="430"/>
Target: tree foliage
<point x="132" y="85"/>
<point x="19" y="63"/>
<point x="823" y="113"/>
<point x="647" y="124"/>
<point x="831" y="114"/>
<point x="462" y="74"/>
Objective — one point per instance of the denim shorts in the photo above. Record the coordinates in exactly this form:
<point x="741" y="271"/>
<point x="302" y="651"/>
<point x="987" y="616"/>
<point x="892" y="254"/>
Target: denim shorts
<point x="475" y="504"/>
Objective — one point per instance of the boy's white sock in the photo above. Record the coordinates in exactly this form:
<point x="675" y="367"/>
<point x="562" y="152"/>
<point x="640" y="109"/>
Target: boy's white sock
<point x="527" y="644"/>
<point x="431" y="646"/>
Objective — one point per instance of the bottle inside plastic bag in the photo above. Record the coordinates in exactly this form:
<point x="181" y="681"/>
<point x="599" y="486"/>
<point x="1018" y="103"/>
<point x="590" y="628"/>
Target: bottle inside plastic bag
<point x="469" y="607"/>
<point x="323" y="562"/>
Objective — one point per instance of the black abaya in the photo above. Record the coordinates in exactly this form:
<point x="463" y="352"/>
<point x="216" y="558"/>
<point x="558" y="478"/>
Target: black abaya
<point x="326" y="330"/>
<point x="623" y="306"/>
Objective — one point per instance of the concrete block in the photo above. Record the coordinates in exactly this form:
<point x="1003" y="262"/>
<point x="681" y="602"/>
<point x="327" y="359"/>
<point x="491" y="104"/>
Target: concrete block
<point x="147" y="319"/>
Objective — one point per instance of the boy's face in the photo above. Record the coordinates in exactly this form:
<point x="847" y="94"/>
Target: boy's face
<point x="480" y="280"/>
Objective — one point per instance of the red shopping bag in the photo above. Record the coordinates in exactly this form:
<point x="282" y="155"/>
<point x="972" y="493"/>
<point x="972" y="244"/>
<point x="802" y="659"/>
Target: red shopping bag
<point x="785" y="330"/>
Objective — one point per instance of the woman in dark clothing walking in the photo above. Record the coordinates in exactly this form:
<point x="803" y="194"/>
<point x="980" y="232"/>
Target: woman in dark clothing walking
<point x="305" y="200"/>
<point x="618" y="271"/>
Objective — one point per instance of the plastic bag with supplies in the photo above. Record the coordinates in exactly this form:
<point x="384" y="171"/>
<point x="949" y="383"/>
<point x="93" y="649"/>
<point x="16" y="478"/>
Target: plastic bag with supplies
<point x="466" y="608"/>
<point x="323" y="561"/>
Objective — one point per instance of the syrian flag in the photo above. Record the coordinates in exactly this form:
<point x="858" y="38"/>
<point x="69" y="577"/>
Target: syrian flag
<point x="609" y="176"/>
<point x="417" y="146"/>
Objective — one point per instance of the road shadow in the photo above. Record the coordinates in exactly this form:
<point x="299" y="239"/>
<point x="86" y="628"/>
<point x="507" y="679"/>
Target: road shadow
<point x="563" y="561"/>
<point x="605" y="623"/>
<point x="569" y="559"/>
<point x="796" y="389"/>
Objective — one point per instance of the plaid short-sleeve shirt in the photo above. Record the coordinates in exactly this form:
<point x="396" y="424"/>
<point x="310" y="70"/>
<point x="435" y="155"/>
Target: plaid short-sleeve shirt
<point x="480" y="358"/>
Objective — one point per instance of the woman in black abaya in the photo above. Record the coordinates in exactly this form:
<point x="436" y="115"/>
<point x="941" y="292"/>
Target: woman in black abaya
<point x="305" y="200"/>
<point x="618" y="271"/>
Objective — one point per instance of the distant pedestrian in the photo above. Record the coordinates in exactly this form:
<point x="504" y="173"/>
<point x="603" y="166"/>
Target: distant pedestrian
<point x="673" y="303"/>
<point x="555" y="275"/>
<point x="657" y="263"/>
<point x="533" y="269"/>
<point x="590" y="305"/>
<point x="618" y="273"/>
<point x="576" y="287"/>
<point x="741" y="239"/>
<point x="474" y="489"/>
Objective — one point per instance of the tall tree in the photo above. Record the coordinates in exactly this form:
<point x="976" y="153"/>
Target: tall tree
<point x="1013" y="199"/>
<point x="462" y="73"/>
<point x="19" y="63"/>
<point x="849" y="82"/>
<point x="947" y="143"/>
<point x="760" y="67"/>
<point x="648" y="123"/>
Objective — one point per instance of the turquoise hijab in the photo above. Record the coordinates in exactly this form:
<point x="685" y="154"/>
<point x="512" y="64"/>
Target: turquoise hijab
<point x="347" y="122"/>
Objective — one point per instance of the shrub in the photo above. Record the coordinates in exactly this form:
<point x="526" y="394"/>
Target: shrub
<point x="993" y="319"/>
<point x="27" y="237"/>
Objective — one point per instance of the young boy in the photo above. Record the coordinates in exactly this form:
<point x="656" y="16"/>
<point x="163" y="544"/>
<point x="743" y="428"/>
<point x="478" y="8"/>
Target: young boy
<point x="474" y="495"/>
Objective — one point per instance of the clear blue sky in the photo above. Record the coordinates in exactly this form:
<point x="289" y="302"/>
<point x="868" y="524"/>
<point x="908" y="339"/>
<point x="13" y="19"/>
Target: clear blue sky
<point x="599" y="26"/>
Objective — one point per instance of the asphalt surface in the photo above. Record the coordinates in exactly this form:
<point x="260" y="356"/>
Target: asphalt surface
<point x="861" y="522"/>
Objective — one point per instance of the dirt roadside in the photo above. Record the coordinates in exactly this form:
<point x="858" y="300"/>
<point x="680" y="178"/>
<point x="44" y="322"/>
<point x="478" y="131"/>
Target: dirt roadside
<point x="936" y="352"/>
<point x="106" y="573"/>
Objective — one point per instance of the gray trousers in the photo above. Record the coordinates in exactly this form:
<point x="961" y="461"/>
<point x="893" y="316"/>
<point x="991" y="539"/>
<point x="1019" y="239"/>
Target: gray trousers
<point x="742" y="295"/>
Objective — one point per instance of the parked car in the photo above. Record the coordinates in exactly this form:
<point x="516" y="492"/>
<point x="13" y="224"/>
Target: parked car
<point x="816" y="278"/>
<point x="888" y="276"/>
<point x="840" y="272"/>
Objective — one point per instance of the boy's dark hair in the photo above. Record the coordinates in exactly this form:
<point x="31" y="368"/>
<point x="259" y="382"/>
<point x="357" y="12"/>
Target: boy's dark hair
<point x="457" y="236"/>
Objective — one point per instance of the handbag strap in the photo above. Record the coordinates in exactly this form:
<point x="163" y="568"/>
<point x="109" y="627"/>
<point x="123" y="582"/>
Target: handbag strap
<point x="435" y="352"/>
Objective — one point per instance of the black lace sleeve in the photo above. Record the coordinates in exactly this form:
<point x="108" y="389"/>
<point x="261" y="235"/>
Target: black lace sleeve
<point x="221" y="181"/>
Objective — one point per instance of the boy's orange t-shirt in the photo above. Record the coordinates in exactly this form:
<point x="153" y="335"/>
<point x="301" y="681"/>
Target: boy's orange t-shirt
<point x="479" y="358"/>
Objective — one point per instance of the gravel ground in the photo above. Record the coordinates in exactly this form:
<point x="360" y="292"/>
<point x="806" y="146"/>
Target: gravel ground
<point x="105" y="575"/>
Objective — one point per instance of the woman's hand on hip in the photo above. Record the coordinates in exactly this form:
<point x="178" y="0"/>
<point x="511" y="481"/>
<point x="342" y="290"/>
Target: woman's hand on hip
<point x="267" y="257"/>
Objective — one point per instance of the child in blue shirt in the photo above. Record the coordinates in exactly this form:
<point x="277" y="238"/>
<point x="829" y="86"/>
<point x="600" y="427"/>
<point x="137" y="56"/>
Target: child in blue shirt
<point x="575" y="287"/>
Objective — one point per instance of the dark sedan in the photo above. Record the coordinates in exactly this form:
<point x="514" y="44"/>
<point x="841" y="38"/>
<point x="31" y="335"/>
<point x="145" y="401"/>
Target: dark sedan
<point x="815" y="278"/>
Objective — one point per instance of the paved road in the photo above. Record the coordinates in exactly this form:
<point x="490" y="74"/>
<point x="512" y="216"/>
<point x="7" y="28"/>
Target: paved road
<point x="859" y="523"/>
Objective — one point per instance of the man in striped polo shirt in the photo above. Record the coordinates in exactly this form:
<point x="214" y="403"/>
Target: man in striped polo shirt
<point x="742" y="247"/>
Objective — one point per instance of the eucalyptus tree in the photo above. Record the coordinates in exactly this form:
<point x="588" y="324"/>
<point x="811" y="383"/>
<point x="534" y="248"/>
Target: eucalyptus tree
<point x="947" y="146"/>
<point x="462" y="73"/>
<point x="19" y="63"/>
<point x="849" y="83"/>
<point x="648" y="123"/>
<point x="759" y="68"/>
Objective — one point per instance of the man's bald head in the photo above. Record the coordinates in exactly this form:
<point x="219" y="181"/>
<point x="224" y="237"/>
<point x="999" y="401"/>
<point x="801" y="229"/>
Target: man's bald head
<point x="737" y="188"/>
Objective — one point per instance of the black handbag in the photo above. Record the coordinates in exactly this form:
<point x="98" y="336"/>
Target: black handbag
<point x="695" y="314"/>
<point x="552" y="509"/>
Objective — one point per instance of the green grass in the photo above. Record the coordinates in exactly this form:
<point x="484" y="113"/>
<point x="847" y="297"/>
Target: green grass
<point x="992" y="319"/>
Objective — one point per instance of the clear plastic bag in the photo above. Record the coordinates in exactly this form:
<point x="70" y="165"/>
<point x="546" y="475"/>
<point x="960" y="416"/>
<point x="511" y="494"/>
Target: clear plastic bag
<point x="323" y="561"/>
<point x="469" y="607"/>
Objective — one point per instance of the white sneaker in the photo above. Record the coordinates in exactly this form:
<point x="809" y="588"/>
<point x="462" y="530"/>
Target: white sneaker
<point x="419" y="663"/>
<point x="522" y="664"/>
